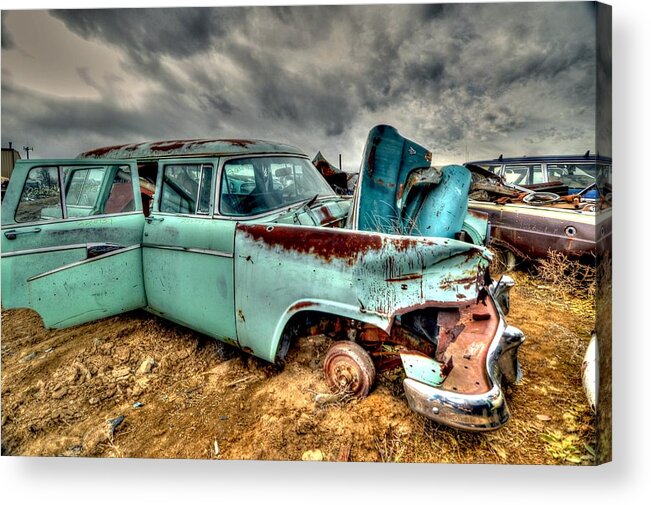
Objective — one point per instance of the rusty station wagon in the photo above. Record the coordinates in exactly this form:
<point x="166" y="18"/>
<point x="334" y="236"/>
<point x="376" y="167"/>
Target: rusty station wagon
<point x="244" y="241"/>
<point x="542" y="204"/>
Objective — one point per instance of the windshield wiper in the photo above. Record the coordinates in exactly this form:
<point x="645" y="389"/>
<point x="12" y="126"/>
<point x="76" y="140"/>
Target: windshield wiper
<point x="301" y="204"/>
<point x="311" y="201"/>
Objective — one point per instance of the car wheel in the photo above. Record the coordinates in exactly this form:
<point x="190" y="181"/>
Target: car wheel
<point x="505" y="260"/>
<point x="348" y="368"/>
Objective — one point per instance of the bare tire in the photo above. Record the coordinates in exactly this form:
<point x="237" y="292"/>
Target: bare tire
<point x="505" y="260"/>
<point x="348" y="368"/>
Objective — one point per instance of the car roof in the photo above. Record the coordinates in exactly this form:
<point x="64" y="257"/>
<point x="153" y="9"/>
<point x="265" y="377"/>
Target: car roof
<point x="542" y="159"/>
<point x="189" y="148"/>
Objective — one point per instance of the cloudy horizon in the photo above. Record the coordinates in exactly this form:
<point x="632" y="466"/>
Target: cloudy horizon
<point x="465" y="80"/>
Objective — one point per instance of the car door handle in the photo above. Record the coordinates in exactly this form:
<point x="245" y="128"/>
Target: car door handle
<point x="94" y="250"/>
<point x="12" y="234"/>
<point x="149" y="219"/>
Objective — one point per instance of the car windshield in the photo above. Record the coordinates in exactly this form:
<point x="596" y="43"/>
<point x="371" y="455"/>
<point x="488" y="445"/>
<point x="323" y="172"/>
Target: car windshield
<point x="252" y="186"/>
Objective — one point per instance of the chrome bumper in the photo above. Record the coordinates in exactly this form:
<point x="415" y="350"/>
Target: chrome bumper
<point x="481" y="412"/>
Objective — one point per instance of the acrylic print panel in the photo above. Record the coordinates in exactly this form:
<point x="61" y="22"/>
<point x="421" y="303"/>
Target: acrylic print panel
<point x="413" y="266"/>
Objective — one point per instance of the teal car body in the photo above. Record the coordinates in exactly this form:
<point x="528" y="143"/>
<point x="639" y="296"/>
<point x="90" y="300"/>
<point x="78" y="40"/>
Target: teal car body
<point x="244" y="241"/>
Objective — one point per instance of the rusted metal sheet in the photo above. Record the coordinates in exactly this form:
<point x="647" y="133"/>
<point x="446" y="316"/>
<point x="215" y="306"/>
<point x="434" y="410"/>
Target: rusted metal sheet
<point x="471" y="397"/>
<point x="531" y="232"/>
<point x="325" y="213"/>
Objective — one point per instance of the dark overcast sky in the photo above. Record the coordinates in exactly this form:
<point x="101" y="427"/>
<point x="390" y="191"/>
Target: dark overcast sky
<point x="490" y="78"/>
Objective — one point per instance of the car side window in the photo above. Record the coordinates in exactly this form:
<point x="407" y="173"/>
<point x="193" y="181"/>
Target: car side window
<point x="41" y="196"/>
<point x="88" y="191"/>
<point x="186" y="189"/>
<point x="575" y="175"/>
<point x="93" y="191"/>
<point x="516" y="174"/>
<point x="83" y="187"/>
<point x="523" y="174"/>
<point x="555" y="172"/>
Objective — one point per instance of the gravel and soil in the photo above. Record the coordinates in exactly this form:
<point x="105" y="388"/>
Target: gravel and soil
<point x="138" y="386"/>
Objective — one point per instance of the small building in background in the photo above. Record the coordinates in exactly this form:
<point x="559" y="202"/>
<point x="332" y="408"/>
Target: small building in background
<point x="9" y="158"/>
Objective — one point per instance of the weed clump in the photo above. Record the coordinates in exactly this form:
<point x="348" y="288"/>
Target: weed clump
<point x="567" y="276"/>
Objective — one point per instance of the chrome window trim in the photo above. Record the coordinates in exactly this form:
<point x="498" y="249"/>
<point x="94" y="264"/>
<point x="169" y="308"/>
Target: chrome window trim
<point x="174" y="214"/>
<point x="171" y="162"/>
<point x="70" y="220"/>
<point x="62" y="192"/>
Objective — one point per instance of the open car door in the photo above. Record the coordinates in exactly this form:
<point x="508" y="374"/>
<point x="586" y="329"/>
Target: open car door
<point x="71" y="240"/>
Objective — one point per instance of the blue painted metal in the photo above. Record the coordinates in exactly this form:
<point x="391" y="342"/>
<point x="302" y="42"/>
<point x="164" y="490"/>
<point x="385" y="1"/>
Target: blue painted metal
<point x="387" y="162"/>
<point x="399" y="193"/>
<point x="48" y="262"/>
<point x="243" y="281"/>
<point x="444" y="205"/>
<point x="422" y="368"/>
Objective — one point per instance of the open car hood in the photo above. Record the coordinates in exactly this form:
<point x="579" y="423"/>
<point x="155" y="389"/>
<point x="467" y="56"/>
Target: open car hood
<point x="399" y="192"/>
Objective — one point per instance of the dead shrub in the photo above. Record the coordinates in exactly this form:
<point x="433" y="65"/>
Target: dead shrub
<point x="567" y="276"/>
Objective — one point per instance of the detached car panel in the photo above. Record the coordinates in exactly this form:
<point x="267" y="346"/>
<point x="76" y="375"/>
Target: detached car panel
<point x="243" y="240"/>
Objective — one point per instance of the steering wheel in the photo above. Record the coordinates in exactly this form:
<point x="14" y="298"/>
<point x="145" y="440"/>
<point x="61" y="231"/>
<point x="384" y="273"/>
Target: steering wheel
<point x="540" y="198"/>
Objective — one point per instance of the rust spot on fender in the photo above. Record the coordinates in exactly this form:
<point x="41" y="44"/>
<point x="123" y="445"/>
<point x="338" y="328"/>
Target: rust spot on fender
<point x="401" y="189"/>
<point x="302" y="306"/>
<point x="406" y="277"/>
<point x="327" y="244"/>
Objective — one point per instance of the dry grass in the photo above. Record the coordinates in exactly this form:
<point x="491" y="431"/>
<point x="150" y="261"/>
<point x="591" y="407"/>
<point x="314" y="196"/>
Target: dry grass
<point x="568" y="277"/>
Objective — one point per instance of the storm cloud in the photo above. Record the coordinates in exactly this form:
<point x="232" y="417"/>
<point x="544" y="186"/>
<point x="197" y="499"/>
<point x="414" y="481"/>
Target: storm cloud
<point x="482" y="79"/>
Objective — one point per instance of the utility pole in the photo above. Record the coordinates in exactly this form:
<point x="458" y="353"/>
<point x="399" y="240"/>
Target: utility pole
<point x="27" y="149"/>
<point x="340" y="167"/>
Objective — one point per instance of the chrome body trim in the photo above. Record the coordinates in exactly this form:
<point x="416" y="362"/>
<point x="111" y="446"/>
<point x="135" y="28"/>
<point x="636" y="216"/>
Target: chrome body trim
<point x="44" y="250"/>
<point x="89" y="260"/>
<point x="480" y="412"/>
<point x="211" y="252"/>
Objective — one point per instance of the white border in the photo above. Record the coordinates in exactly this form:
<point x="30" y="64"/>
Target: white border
<point x="626" y="480"/>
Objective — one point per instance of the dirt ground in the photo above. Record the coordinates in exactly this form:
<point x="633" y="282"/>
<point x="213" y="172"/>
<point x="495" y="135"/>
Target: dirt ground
<point x="138" y="386"/>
